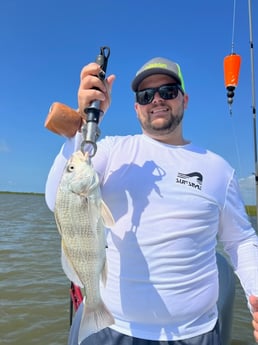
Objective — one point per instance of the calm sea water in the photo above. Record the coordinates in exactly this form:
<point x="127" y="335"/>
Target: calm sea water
<point x="34" y="292"/>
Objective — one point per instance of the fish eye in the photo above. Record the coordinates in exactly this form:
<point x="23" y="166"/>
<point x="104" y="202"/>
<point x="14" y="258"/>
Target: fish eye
<point x="70" y="168"/>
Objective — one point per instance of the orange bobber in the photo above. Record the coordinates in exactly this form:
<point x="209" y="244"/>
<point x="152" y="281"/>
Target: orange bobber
<point x="231" y="69"/>
<point x="231" y="74"/>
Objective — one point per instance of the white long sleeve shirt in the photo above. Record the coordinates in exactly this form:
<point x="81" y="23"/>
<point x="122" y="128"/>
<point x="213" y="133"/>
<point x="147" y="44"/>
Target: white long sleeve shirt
<point x="170" y="204"/>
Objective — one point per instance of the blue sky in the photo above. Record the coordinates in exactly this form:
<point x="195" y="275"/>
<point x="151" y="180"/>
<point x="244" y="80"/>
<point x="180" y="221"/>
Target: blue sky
<point x="44" y="45"/>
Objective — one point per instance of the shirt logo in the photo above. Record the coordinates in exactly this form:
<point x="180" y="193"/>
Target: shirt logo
<point x="193" y="179"/>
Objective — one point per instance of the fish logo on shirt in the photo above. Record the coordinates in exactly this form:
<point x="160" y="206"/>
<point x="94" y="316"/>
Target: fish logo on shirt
<point x="193" y="179"/>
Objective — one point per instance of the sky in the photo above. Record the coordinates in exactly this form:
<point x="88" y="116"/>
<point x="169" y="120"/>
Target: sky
<point x="45" y="44"/>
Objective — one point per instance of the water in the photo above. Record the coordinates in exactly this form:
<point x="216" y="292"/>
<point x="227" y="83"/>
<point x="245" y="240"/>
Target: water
<point x="34" y="291"/>
<point x="34" y="297"/>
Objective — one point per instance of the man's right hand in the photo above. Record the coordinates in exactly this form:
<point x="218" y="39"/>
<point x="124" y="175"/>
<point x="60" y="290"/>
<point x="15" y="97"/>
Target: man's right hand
<point x="92" y="88"/>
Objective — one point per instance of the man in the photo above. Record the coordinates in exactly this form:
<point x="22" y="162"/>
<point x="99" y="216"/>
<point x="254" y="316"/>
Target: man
<point x="170" y="200"/>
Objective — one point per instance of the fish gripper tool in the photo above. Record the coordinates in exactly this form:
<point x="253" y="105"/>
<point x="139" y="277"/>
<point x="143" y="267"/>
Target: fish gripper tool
<point x="90" y="130"/>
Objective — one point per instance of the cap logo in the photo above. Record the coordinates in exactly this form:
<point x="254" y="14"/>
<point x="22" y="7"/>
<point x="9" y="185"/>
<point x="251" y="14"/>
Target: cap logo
<point x="156" y="65"/>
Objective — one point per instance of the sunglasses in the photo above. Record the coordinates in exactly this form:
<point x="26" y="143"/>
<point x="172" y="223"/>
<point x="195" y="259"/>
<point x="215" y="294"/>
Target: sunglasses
<point x="169" y="91"/>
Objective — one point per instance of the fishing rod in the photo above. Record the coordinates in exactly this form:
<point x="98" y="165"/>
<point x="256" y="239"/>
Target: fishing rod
<point x="232" y="64"/>
<point x="253" y="101"/>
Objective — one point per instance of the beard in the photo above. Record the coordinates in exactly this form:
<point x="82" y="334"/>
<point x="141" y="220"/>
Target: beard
<point x="160" y="128"/>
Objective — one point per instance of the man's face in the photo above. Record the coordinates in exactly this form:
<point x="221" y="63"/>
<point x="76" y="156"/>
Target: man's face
<point x="161" y="116"/>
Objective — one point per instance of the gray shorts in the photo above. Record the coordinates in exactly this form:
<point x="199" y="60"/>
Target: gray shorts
<point x="110" y="337"/>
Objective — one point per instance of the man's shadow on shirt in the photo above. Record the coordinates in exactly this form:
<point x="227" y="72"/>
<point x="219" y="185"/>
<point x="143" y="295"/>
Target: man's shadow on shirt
<point x="132" y="260"/>
<point x="120" y="182"/>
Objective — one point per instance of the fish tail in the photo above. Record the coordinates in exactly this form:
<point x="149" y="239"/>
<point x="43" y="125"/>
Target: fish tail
<point x="94" y="320"/>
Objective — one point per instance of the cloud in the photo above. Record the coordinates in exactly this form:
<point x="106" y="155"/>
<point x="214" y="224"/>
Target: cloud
<point x="3" y="146"/>
<point x="247" y="187"/>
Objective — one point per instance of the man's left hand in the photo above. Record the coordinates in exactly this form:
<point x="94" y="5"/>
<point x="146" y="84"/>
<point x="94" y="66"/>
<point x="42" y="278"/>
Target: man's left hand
<point x="254" y="303"/>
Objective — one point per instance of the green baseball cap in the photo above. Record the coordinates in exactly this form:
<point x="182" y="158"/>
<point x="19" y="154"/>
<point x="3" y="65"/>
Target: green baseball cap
<point x="158" y="65"/>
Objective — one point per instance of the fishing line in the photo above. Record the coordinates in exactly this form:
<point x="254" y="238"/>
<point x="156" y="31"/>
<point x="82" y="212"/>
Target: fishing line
<point x="236" y="142"/>
<point x="232" y="122"/>
<point x="231" y="66"/>
<point x="233" y="27"/>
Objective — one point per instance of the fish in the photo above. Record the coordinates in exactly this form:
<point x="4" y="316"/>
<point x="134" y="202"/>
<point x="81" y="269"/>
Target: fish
<point x="81" y="216"/>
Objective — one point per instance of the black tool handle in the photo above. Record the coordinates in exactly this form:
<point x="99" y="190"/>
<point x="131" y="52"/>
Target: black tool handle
<point x="93" y="112"/>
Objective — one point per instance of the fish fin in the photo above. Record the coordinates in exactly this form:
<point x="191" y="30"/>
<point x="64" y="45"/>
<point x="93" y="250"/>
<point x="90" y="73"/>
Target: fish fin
<point x="94" y="320"/>
<point x="58" y="223"/>
<point x="104" y="273"/>
<point x="68" y="267"/>
<point x="106" y="214"/>
<point x="93" y="213"/>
